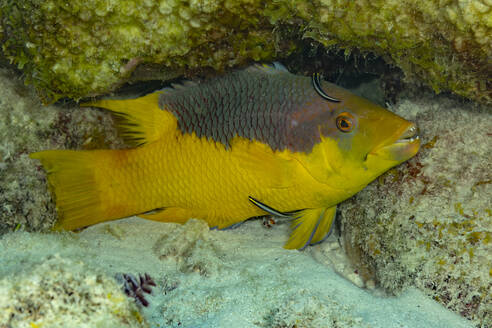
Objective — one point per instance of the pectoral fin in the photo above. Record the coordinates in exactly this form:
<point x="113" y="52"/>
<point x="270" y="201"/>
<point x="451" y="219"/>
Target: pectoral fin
<point x="273" y="169"/>
<point x="310" y="227"/>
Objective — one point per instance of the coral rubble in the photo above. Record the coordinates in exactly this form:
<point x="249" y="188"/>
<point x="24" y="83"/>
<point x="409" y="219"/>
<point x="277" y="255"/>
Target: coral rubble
<point x="59" y="292"/>
<point x="191" y="247"/>
<point x="82" y="48"/>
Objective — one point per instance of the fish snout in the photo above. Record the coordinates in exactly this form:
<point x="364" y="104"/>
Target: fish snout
<point x="403" y="147"/>
<point x="410" y="134"/>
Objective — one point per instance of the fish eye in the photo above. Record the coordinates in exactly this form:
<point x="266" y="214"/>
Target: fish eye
<point x="345" y="122"/>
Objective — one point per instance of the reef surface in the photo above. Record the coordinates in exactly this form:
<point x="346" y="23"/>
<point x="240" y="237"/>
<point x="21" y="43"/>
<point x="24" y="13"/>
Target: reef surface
<point x="82" y="48"/>
<point x="428" y="223"/>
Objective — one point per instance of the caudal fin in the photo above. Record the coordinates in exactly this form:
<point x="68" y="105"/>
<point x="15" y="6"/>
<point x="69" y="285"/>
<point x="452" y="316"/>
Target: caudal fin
<point x="73" y="181"/>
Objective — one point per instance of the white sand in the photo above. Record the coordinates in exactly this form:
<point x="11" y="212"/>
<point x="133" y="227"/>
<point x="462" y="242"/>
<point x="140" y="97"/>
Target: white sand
<point x="234" y="278"/>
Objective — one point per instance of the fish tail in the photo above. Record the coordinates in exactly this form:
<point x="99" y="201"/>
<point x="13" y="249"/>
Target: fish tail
<point x="310" y="227"/>
<point x="79" y="183"/>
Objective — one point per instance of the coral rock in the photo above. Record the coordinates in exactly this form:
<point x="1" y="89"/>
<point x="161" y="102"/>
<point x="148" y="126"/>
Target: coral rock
<point x="59" y="292"/>
<point x="427" y="223"/>
<point x="82" y="48"/>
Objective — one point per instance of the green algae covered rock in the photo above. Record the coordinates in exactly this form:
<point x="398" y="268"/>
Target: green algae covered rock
<point x="82" y="48"/>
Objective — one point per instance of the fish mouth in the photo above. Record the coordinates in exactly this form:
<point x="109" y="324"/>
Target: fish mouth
<point x="403" y="146"/>
<point x="409" y="135"/>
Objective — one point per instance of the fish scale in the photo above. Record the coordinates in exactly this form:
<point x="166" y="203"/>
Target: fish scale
<point x="264" y="91"/>
<point x="221" y="132"/>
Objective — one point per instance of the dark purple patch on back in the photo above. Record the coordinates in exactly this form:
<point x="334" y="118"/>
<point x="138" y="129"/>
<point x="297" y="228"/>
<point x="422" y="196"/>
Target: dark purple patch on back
<point x="265" y="104"/>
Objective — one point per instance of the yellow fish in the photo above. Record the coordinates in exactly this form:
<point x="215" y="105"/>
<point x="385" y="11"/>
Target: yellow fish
<point x="254" y="142"/>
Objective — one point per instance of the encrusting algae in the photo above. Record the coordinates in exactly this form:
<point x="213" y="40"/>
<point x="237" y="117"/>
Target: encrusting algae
<point x="82" y="48"/>
<point x="254" y="142"/>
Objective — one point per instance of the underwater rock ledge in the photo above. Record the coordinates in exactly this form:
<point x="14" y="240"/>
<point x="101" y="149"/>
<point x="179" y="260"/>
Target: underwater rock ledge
<point x="84" y="48"/>
<point x="427" y="223"/>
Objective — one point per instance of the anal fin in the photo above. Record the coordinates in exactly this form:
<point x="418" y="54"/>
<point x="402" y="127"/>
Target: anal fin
<point x="168" y="214"/>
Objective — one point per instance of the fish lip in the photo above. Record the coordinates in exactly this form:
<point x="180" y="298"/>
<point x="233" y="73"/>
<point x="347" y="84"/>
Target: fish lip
<point x="405" y="138"/>
<point x="409" y="134"/>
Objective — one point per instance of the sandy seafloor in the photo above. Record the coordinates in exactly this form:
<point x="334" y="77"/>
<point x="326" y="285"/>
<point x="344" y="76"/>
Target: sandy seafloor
<point x="235" y="278"/>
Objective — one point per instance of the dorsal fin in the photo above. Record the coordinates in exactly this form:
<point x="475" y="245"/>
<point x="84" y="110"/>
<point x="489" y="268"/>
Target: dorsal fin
<point x="274" y="68"/>
<point x="139" y="120"/>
